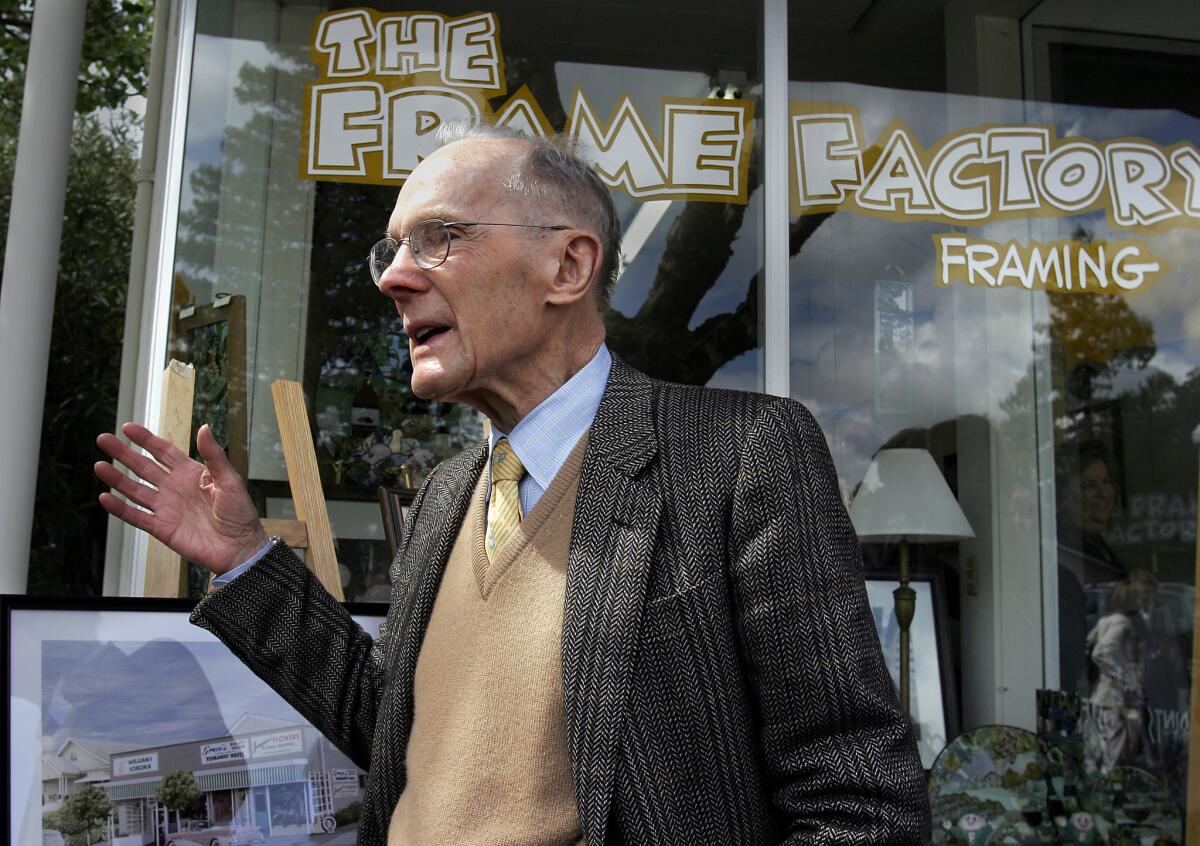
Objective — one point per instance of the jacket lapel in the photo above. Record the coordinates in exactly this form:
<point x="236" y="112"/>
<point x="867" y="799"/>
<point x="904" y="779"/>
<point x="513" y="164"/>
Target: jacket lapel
<point x="416" y="573"/>
<point x="612" y="540"/>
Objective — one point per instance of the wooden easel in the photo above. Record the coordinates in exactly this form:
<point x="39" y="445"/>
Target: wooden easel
<point x="310" y="529"/>
<point x="166" y="573"/>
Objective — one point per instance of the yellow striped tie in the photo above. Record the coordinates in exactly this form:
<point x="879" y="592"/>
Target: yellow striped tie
<point x="504" y="509"/>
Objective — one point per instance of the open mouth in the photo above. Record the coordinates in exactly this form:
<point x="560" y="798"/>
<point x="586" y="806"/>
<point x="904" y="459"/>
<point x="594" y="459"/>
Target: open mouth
<point x="428" y="333"/>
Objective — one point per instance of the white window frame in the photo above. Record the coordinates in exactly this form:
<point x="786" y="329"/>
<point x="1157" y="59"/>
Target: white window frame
<point x="776" y="312"/>
<point x="156" y="305"/>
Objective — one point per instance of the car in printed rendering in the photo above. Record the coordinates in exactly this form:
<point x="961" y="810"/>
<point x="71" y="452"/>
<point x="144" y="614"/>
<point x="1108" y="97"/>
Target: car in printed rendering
<point x="199" y="833"/>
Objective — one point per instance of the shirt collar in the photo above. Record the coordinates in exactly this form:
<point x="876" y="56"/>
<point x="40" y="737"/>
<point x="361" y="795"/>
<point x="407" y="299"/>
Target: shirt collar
<point x="545" y="437"/>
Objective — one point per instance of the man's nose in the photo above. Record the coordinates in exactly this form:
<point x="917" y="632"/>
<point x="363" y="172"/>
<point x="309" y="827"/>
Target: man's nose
<point x="403" y="275"/>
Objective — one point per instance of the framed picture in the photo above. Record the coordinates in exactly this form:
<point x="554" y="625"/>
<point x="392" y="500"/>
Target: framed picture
<point x="932" y="695"/>
<point x="393" y="505"/>
<point x="212" y="338"/>
<point x="128" y="725"/>
<point x="364" y="540"/>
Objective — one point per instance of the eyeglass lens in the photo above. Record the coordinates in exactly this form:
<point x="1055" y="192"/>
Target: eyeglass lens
<point x="429" y="241"/>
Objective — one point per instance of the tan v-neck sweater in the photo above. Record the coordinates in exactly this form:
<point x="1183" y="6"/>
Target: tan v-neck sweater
<point x="487" y="758"/>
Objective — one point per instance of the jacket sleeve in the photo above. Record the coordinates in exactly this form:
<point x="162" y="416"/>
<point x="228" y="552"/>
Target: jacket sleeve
<point x="841" y="758"/>
<point x="279" y="620"/>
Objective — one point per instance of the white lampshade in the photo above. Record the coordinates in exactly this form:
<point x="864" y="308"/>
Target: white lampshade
<point x="904" y="497"/>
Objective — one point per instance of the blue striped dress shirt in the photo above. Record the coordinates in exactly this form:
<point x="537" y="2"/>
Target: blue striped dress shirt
<point x="545" y="436"/>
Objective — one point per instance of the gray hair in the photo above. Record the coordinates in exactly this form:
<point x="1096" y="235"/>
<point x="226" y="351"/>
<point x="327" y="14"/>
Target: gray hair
<point x="553" y="170"/>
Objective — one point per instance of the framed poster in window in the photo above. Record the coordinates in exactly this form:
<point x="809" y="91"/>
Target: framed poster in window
<point x="212" y="338"/>
<point x="932" y="696"/>
<point x="130" y="725"/>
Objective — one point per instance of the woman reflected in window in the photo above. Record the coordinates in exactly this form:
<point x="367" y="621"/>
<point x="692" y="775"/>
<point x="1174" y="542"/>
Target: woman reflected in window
<point x="1087" y="498"/>
<point x="1113" y="729"/>
<point x="1087" y="506"/>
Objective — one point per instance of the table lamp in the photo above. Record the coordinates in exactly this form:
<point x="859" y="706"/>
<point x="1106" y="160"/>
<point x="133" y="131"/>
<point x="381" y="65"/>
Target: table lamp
<point x="904" y="498"/>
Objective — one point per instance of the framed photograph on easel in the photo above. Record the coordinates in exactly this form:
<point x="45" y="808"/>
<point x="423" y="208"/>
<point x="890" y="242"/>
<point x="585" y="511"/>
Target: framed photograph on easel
<point x="212" y="338"/>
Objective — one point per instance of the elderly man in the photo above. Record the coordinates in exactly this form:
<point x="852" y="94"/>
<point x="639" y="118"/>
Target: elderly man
<point x="635" y="615"/>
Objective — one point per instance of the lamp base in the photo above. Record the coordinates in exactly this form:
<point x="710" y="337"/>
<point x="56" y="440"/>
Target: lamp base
<point x="905" y="599"/>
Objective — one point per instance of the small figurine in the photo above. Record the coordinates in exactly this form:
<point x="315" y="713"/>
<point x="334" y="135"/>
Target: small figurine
<point x="1080" y="827"/>
<point x="971" y="830"/>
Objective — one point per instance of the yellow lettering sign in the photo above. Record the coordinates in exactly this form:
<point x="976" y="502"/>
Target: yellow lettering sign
<point x="1111" y="267"/>
<point x="986" y="173"/>
<point x="388" y="81"/>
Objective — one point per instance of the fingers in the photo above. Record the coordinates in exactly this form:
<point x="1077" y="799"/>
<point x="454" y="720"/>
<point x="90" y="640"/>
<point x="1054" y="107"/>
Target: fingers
<point x="120" y="451"/>
<point x="215" y="459"/>
<point x="132" y="490"/>
<point x="165" y="452"/>
<point x="122" y="510"/>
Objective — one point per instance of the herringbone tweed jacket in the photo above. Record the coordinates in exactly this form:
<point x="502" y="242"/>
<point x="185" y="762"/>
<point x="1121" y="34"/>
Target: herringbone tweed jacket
<point x="722" y="676"/>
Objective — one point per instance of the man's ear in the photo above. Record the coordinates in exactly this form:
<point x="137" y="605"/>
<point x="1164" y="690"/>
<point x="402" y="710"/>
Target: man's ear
<point x="578" y="265"/>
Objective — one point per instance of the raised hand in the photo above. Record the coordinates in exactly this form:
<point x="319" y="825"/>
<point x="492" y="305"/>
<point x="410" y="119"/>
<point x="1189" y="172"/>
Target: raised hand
<point x="202" y="511"/>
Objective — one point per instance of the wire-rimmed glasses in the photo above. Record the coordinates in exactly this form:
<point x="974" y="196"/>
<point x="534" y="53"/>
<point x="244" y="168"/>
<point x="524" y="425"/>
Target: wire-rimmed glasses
<point x="429" y="241"/>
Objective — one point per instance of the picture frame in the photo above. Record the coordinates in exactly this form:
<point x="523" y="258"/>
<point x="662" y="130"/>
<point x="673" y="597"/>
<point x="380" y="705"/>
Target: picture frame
<point x="933" y="696"/>
<point x="364" y="536"/>
<point x="121" y="695"/>
<point x="212" y="338"/>
<point x="393" y="508"/>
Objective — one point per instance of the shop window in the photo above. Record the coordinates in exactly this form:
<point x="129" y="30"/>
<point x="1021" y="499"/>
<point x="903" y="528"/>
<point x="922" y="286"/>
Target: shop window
<point x="274" y="264"/>
<point x="993" y="230"/>
<point x="289" y="808"/>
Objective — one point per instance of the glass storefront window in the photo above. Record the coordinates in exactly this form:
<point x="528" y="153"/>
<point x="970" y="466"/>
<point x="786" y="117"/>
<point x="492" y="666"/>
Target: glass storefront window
<point x="272" y="262"/>
<point x="994" y="224"/>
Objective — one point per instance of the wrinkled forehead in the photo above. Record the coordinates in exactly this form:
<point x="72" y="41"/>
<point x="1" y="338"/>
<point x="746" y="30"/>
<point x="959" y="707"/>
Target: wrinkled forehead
<point x="463" y="181"/>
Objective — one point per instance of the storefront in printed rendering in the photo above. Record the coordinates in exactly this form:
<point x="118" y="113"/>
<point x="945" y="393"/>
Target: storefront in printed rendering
<point x="267" y="776"/>
<point x="969" y="228"/>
